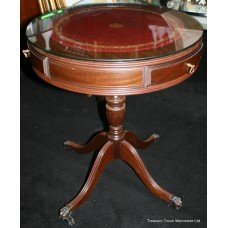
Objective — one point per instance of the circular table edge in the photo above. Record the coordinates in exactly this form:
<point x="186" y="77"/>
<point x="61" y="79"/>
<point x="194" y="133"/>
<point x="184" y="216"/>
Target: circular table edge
<point x="116" y="78"/>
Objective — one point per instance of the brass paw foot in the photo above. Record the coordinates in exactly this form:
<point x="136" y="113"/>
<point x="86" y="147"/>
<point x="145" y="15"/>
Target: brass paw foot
<point x="67" y="144"/>
<point x="65" y="214"/>
<point x="156" y="136"/>
<point x="176" y="202"/>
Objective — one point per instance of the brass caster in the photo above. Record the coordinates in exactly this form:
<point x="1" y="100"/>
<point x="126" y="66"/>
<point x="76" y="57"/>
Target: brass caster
<point x="65" y="214"/>
<point x="176" y="202"/>
<point x="156" y="136"/>
<point x="66" y="144"/>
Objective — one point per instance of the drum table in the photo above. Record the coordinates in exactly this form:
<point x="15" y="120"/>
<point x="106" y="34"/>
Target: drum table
<point x="114" y="50"/>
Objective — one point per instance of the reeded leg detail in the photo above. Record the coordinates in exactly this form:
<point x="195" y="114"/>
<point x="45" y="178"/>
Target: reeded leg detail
<point x="130" y="156"/>
<point x="94" y="144"/>
<point x="116" y="144"/>
<point x="104" y="156"/>
<point x="137" y="143"/>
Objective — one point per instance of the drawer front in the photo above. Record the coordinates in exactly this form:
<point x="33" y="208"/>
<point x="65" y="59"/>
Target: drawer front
<point x="115" y="78"/>
<point x="162" y="74"/>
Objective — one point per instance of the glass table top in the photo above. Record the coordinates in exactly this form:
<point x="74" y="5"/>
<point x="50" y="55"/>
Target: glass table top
<point x="114" y="32"/>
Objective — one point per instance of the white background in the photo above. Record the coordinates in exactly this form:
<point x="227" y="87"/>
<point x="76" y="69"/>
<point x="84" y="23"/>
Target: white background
<point x="217" y="115"/>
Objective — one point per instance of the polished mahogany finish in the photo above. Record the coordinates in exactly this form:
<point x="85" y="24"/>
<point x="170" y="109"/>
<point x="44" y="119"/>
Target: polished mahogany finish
<point x="173" y="54"/>
<point x="95" y="144"/>
<point x="116" y="78"/>
<point x="116" y="144"/>
<point x="113" y="51"/>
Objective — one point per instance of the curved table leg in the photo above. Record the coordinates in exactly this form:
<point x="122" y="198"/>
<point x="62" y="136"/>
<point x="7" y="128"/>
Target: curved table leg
<point x="94" y="144"/>
<point x="105" y="155"/>
<point x="130" y="156"/>
<point x="137" y="143"/>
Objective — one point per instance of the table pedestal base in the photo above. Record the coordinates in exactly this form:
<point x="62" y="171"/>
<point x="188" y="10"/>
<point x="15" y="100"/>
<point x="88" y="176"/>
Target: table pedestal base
<point x="115" y="144"/>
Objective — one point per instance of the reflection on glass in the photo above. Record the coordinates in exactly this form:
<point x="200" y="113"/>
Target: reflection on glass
<point x="48" y="25"/>
<point x="114" y="32"/>
<point x="161" y="32"/>
<point x="32" y="29"/>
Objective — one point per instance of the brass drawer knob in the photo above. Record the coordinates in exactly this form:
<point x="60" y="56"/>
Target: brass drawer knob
<point x="26" y="53"/>
<point x="191" y="68"/>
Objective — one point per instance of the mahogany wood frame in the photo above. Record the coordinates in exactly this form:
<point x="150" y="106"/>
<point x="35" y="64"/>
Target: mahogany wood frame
<point x="115" y="80"/>
<point x="117" y="77"/>
<point x="115" y="144"/>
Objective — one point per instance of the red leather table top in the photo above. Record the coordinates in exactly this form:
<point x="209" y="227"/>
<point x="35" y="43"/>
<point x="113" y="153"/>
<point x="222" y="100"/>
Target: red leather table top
<point x="115" y="32"/>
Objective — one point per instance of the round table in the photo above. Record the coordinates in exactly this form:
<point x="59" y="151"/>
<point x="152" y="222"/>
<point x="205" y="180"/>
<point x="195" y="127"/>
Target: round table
<point x="114" y="50"/>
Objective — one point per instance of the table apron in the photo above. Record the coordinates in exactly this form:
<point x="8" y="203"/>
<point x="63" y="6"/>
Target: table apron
<point x="114" y="78"/>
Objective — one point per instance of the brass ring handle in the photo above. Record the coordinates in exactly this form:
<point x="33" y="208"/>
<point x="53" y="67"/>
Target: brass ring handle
<point x="191" y="68"/>
<point x="26" y="53"/>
